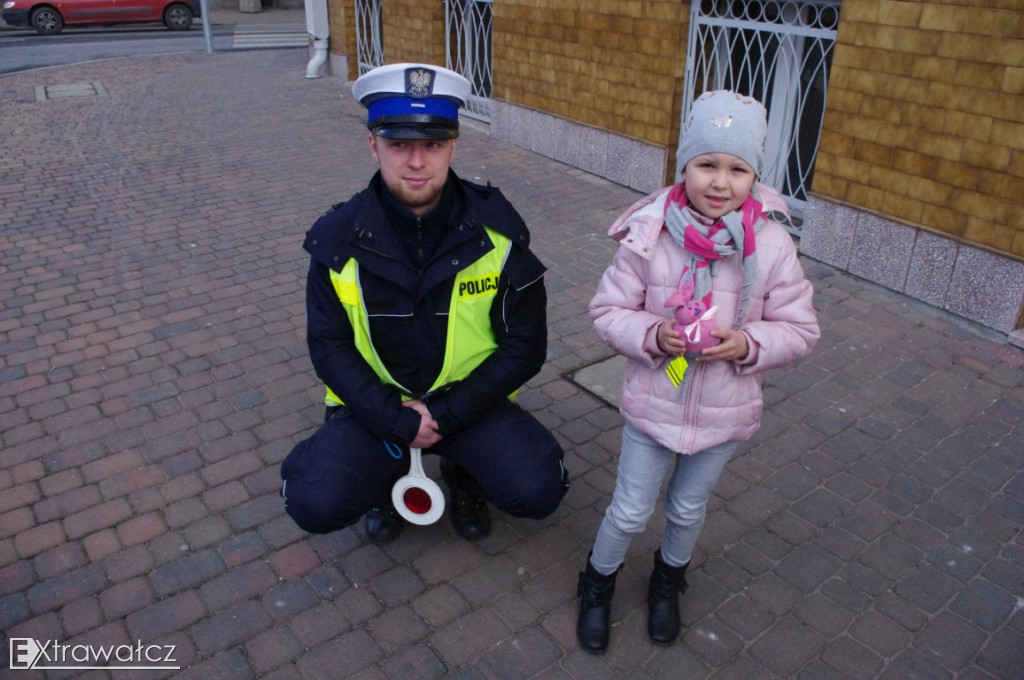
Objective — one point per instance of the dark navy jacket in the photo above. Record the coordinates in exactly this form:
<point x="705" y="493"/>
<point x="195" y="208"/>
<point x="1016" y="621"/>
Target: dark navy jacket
<point x="408" y="307"/>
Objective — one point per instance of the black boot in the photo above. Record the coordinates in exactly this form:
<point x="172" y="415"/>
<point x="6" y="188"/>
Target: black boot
<point x="470" y="516"/>
<point x="663" y="600"/>
<point x="595" y="591"/>
<point x="383" y="523"/>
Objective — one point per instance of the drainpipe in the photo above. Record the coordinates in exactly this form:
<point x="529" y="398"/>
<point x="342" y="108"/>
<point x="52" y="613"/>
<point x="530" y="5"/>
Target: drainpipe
<point x="319" y="32"/>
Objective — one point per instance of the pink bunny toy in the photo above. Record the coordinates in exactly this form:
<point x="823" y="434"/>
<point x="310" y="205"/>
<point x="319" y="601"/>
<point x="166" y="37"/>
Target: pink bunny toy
<point x="689" y="312"/>
<point x="697" y="332"/>
<point x="693" y="319"/>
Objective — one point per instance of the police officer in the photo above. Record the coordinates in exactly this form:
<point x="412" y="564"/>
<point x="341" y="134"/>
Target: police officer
<point x="426" y="312"/>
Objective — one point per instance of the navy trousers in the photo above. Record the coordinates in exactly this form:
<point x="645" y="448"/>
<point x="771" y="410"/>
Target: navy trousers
<point x="334" y="477"/>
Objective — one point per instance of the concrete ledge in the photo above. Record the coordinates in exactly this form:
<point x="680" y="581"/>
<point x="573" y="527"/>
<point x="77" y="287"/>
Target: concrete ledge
<point x="336" y="66"/>
<point x="603" y="379"/>
<point x="971" y="282"/>
<point x="623" y="160"/>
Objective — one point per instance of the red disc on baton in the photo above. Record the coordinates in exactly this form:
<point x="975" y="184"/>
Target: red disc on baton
<point x="417" y="500"/>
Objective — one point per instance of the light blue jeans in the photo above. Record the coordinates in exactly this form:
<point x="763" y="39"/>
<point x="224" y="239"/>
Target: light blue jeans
<point x="643" y="464"/>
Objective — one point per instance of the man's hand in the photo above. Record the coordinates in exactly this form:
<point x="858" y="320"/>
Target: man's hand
<point x="427" y="435"/>
<point x="733" y="346"/>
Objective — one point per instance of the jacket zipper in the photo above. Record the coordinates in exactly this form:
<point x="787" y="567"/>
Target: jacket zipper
<point x="690" y="407"/>
<point x="420" y="255"/>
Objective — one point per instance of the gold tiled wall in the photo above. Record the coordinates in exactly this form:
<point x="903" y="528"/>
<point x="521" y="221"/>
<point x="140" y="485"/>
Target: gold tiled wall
<point x="343" y="33"/>
<point x="613" y="64"/>
<point x="413" y="30"/>
<point x="925" y="117"/>
<point x="410" y="31"/>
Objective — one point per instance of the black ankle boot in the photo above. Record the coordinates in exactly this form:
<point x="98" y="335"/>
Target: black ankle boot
<point x="595" y="591"/>
<point x="663" y="600"/>
<point x="470" y="517"/>
<point x="383" y="523"/>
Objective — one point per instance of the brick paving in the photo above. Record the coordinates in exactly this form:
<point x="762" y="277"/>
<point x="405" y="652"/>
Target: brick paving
<point x="153" y="374"/>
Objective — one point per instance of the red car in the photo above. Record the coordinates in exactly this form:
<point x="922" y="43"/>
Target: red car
<point x="50" y="16"/>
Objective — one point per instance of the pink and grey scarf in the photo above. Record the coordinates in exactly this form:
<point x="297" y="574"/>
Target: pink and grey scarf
<point x="707" y="242"/>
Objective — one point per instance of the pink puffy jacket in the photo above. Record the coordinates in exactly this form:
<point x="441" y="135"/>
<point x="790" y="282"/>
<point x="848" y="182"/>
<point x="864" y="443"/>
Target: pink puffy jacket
<point x="722" y="400"/>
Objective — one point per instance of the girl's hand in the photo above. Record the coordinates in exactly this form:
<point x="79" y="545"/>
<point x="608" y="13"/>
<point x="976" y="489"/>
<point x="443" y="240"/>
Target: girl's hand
<point x="733" y="347"/>
<point x="669" y="339"/>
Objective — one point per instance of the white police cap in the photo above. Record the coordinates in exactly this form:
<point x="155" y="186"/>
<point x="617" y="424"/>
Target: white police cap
<point x="412" y="101"/>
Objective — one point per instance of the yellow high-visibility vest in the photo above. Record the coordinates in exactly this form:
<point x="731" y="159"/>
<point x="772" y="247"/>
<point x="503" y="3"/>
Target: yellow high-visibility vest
<point x="470" y="337"/>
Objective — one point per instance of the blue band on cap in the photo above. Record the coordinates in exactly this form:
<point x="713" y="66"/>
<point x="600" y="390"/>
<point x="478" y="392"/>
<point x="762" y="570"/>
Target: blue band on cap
<point x="404" y="106"/>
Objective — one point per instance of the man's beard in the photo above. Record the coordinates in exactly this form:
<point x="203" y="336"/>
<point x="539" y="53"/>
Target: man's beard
<point x="414" y="201"/>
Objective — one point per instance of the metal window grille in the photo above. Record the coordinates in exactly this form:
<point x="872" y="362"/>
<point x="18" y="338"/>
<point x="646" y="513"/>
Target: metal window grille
<point x="369" y="45"/>
<point x="468" y="50"/>
<point x="778" y="52"/>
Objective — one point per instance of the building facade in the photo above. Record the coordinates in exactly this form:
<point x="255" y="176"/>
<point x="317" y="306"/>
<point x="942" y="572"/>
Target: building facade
<point x="897" y="126"/>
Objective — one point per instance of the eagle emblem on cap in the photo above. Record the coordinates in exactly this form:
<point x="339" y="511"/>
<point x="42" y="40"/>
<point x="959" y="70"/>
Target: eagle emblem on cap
<point x="419" y="83"/>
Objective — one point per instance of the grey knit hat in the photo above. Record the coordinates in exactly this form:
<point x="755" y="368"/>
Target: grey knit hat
<point x="725" y="122"/>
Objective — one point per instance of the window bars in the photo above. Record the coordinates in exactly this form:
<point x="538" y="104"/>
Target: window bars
<point x="780" y="53"/>
<point x="468" y="51"/>
<point x="369" y="45"/>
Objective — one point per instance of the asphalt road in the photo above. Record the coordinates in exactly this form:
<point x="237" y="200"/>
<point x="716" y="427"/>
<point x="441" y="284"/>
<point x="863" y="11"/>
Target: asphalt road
<point x="23" y="50"/>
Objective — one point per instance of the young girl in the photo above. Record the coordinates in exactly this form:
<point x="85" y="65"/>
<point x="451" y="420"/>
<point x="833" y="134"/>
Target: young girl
<point x="703" y="295"/>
